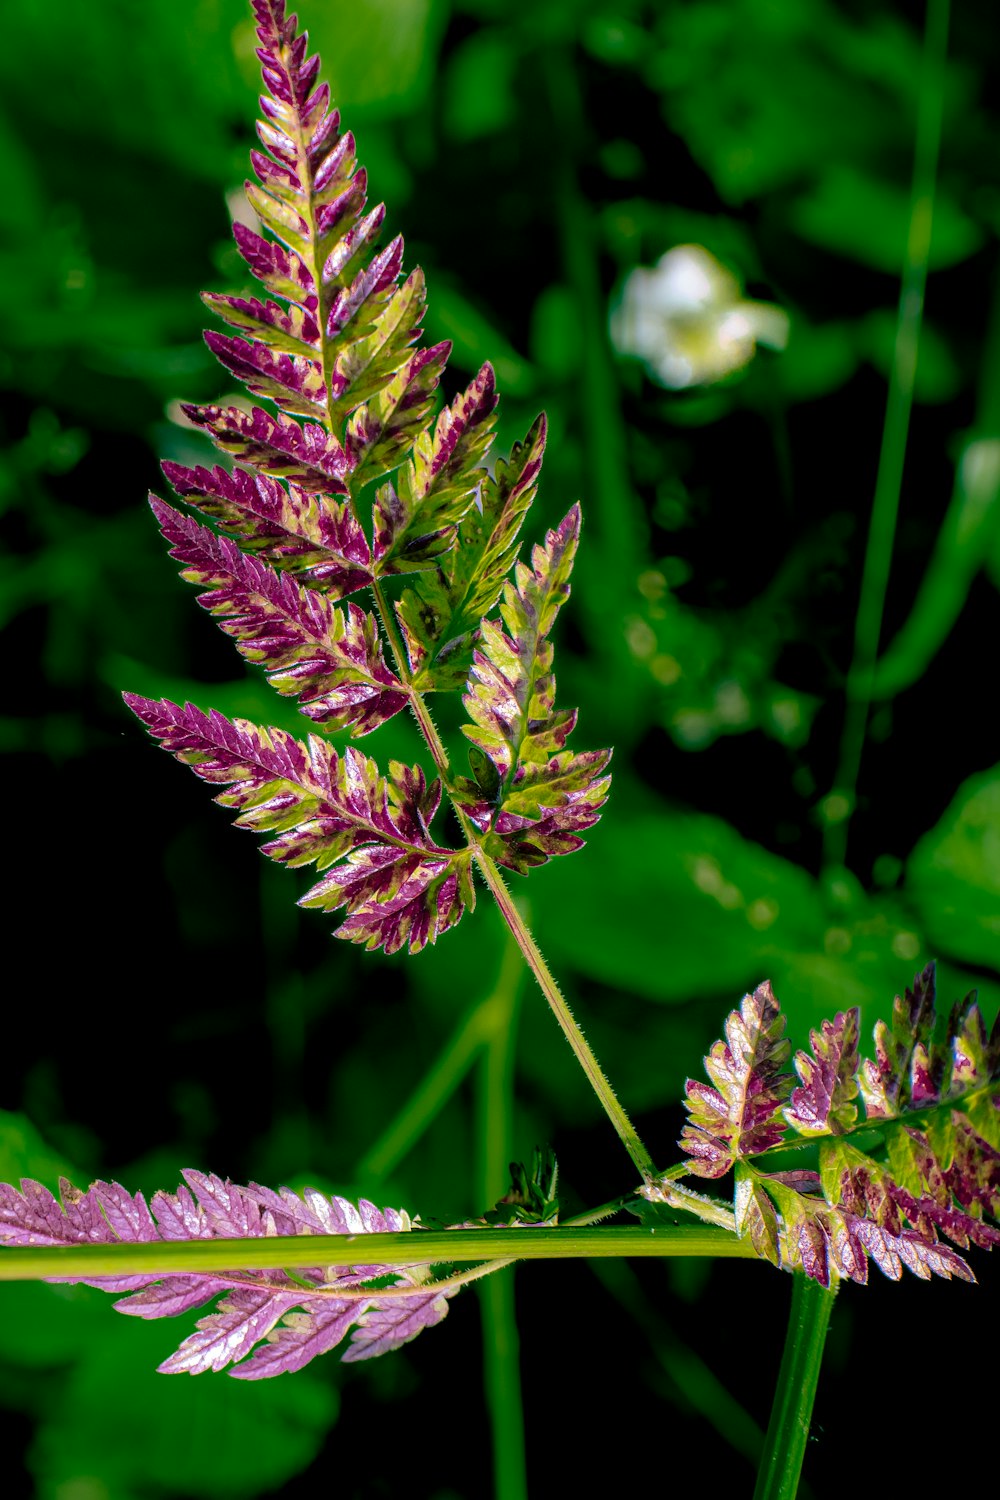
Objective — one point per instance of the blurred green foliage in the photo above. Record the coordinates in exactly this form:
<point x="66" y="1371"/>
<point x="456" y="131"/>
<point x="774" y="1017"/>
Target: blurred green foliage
<point x="533" y="155"/>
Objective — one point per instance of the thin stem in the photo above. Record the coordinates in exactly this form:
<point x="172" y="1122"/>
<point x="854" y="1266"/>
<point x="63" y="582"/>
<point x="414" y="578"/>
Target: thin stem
<point x="529" y="948"/>
<point x="885" y="506"/>
<point x="708" y="1210"/>
<point x="501" y="1345"/>
<point x="581" y="1047"/>
<point x="795" y="1394"/>
<point x="421" y="712"/>
<point x="416" y="1248"/>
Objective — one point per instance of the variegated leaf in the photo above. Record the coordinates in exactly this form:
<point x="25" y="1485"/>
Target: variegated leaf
<point x="266" y="1322"/>
<point x="741" y="1115"/>
<point x="328" y="658"/>
<point x="277" y="445"/>
<point x="296" y="530"/>
<point x="441" y="611"/>
<point x="369" y="833"/>
<point x="529" y="797"/>
<point x="416" y="519"/>
<point x="824" y="1103"/>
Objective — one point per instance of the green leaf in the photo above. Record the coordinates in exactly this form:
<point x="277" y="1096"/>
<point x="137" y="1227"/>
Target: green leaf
<point x="867" y="219"/>
<point x="953" y="875"/>
<point x="117" y="1422"/>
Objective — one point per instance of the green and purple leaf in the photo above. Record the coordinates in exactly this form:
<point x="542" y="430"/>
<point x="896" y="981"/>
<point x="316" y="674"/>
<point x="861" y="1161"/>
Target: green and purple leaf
<point x="328" y="658"/>
<point x="417" y="518"/>
<point x="907" y="1069"/>
<point x="530" y="796"/>
<point x="266" y="1323"/>
<point x="370" y="833"/>
<point x="441" y="612"/>
<point x="932" y="1169"/>
<point x="824" y="1103"/>
<point x="341" y="334"/>
<point x="742" y="1114"/>
<point x="381" y="432"/>
<point x="277" y="445"/>
<point x="297" y="530"/>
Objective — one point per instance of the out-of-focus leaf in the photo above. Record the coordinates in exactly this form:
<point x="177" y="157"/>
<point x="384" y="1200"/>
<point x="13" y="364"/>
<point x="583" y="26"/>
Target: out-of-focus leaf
<point x="378" y="54"/>
<point x="478" y="97"/>
<point x="843" y="83"/>
<point x="556" y="345"/>
<point x="819" y="358"/>
<point x="715" y="912"/>
<point x="24" y="1153"/>
<point x="938" y="376"/>
<point x="953" y="875"/>
<point x="117" y="1423"/>
<point x="866" y="219"/>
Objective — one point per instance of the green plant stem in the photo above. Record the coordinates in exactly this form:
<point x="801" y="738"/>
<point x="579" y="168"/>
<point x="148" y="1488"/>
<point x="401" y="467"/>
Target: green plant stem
<point x="417" y="1248"/>
<point x="501" y="1345"/>
<point x="557" y="1003"/>
<point x="888" y="484"/>
<point x="795" y="1394"/>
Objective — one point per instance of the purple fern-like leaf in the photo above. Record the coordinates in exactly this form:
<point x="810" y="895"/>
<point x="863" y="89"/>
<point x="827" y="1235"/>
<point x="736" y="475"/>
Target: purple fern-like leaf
<point x="369" y="833"/>
<point x="742" y="1114"/>
<point x="294" y="529"/>
<point x="385" y="1326"/>
<point x="511" y="690"/>
<point x="339" y="338"/>
<point x="328" y="658"/>
<point x="266" y="1322"/>
<point x="278" y="445"/>
<point x="821" y="1240"/>
<point x="294" y="383"/>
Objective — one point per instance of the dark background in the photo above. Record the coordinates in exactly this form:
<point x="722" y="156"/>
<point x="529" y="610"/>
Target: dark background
<point x="167" y="1005"/>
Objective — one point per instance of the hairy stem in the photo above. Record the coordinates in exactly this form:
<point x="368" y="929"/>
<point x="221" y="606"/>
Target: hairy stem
<point x="432" y="1247"/>
<point x="529" y="948"/>
<point x="795" y="1393"/>
<point x="581" y="1047"/>
<point x="888" y="484"/>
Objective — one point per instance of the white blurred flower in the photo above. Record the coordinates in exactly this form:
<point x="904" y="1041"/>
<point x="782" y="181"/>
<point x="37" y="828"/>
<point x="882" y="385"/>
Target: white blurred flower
<point x="688" y="321"/>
